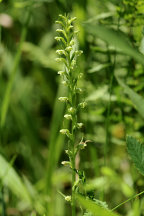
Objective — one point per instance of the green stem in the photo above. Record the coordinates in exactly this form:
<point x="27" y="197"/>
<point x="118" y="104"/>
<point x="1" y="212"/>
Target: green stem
<point x="73" y="192"/>
<point x="73" y="159"/>
<point x="72" y="97"/>
<point x="133" y="197"/>
<point x="109" y="109"/>
<point x="112" y="68"/>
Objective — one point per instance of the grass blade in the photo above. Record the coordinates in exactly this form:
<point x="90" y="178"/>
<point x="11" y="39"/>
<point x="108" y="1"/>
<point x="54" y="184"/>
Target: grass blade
<point x="6" y="99"/>
<point x="56" y="143"/>
<point x="117" y="39"/>
<point x="137" y="100"/>
<point x="10" y="178"/>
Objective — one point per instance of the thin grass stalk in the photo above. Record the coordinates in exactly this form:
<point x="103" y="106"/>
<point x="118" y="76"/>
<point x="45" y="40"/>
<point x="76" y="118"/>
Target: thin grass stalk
<point x="107" y="126"/>
<point x="131" y="198"/>
<point x="6" y="100"/>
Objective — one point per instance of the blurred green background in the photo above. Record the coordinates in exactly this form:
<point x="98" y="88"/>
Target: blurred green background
<point x="31" y="115"/>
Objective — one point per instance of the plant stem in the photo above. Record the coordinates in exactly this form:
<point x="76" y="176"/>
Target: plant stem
<point x="73" y="192"/>
<point x="73" y="103"/>
<point x="111" y="70"/>
<point x="133" y="197"/>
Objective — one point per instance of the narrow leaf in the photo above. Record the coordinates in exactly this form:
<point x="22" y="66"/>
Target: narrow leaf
<point x="117" y="39"/>
<point x="136" y="152"/>
<point x="10" y="178"/>
<point x="136" y="99"/>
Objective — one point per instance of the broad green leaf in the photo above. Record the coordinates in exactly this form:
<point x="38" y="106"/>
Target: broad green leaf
<point x="136" y="152"/>
<point x="117" y="39"/>
<point x="136" y="99"/>
<point x="94" y="208"/>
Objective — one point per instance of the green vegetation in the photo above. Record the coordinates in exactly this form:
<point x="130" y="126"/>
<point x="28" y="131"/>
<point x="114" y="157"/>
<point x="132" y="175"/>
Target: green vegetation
<point x="48" y="86"/>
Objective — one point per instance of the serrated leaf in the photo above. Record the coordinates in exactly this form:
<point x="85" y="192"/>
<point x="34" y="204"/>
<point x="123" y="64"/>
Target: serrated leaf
<point x="136" y="152"/>
<point x="101" y="203"/>
<point x="94" y="208"/>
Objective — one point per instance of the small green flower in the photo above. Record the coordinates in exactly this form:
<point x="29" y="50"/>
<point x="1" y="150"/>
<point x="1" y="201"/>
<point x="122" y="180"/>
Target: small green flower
<point x="61" y="73"/>
<point x="82" y="105"/>
<point x="68" y="198"/>
<point x="80" y="125"/>
<point x="61" y="52"/>
<point x="65" y="163"/>
<point x="68" y="116"/>
<point x="63" y="99"/>
<point x="72" y="110"/>
<point x="66" y="132"/>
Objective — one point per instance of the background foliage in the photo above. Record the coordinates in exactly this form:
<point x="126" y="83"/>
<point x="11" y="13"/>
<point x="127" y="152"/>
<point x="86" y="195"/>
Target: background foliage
<point x="31" y="147"/>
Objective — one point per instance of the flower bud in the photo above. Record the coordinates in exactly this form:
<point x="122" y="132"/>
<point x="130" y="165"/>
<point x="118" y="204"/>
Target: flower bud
<point x="59" y="22"/>
<point x="64" y="82"/>
<point x="72" y="20"/>
<point x="72" y="42"/>
<point x="60" y="52"/>
<point x="63" y="17"/>
<point x="80" y="125"/>
<point x="69" y="48"/>
<point x="63" y="99"/>
<point x="66" y="132"/>
<point x="82" y="105"/>
<point x="70" y="27"/>
<point x="66" y="151"/>
<point x="60" y="60"/>
<point x="79" y="90"/>
<point x="68" y="198"/>
<point x="76" y="32"/>
<point x="78" y="52"/>
<point x="59" y="30"/>
<point x="61" y="73"/>
<point x="80" y="75"/>
<point x="82" y="145"/>
<point x="72" y="110"/>
<point x="73" y="64"/>
<point x="68" y="117"/>
<point x="65" y="163"/>
<point x="60" y="39"/>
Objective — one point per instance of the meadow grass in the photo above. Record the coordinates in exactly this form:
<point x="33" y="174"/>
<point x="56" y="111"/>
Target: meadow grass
<point x="42" y="168"/>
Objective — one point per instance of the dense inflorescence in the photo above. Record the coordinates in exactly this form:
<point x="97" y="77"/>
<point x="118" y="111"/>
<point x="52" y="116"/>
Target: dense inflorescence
<point x="68" y="55"/>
